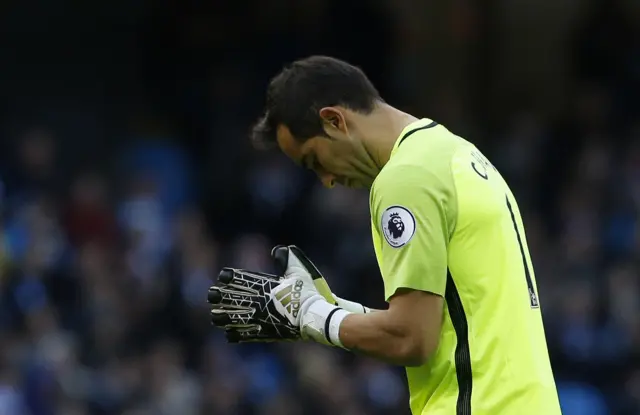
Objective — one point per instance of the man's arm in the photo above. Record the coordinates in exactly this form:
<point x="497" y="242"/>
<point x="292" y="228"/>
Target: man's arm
<point x="413" y="211"/>
<point x="406" y="334"/>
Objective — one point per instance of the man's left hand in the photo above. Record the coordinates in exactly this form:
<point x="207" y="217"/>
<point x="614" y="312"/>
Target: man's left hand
<point x="254" y="306"/>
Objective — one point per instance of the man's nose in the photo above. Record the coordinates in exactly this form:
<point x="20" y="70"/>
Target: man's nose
<point x="328" y="180"/>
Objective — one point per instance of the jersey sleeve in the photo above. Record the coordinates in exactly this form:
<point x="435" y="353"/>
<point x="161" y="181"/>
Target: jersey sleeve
<point x="413" y="210"/>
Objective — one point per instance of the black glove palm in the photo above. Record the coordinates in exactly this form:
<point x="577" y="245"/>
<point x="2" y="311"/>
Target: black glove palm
<point x="243" y="306"/>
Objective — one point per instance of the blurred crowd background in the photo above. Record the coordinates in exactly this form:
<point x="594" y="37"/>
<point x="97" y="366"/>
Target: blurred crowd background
<point x="127" y="181"/>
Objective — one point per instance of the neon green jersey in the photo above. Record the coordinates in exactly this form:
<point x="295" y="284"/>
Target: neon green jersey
<point x="445" y="221"/>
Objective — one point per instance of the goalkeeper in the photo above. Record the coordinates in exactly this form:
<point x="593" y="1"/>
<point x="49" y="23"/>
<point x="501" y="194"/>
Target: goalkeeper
<point x="463" y="311"/>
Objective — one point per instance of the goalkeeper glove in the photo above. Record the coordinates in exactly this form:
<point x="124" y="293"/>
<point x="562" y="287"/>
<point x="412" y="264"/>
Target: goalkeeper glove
<point x="298" y="299"/>
<point x="245" y="303"/>
<point x="243" y="307"/>
<point x="280" y="254"/>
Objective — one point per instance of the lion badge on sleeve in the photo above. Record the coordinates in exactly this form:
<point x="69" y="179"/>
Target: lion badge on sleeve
<point x="398" y="226"/>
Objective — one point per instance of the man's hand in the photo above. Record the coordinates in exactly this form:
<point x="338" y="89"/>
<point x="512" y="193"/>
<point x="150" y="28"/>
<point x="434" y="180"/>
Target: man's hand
<point x="243" y="306"/>
<point x="298" y="304"/>
<point x="310" y="311"/>
<point x="281" y="255"/>
<point x="253" y="306"/>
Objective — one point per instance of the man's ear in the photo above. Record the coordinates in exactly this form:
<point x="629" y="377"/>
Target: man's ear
<point x="333" y="120"/>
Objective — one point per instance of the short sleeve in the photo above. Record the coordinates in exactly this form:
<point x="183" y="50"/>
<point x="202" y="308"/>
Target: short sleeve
<point x="413" y="212"/>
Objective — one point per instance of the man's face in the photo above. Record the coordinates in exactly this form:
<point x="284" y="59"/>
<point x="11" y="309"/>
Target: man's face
<point x="334" y="159"/>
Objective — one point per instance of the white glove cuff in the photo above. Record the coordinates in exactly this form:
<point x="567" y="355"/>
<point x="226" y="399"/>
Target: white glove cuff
<point x="332" y="317"/>
<point x="351" y="306"/>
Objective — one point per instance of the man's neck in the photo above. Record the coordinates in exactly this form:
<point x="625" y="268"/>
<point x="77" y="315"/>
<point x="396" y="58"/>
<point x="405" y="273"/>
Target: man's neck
<point x="382" y="130"/>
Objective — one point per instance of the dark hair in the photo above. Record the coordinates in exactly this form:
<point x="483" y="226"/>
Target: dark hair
<point x="300" y="90"/>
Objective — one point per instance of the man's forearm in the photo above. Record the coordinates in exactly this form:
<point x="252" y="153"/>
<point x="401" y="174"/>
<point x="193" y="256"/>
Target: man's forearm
<point x="376" y="335"/>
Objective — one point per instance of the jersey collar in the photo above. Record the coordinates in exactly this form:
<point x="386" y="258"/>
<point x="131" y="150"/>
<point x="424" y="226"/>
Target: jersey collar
<point x="423" y="122"/>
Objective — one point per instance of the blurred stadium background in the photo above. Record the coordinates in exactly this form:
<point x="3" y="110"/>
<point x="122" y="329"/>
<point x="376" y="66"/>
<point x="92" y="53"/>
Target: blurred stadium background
<point x="127" y="182"/>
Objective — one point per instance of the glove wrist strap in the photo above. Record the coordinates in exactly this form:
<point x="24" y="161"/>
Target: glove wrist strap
<point x="332" y="326"/>
<point x="330" y="319"/>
